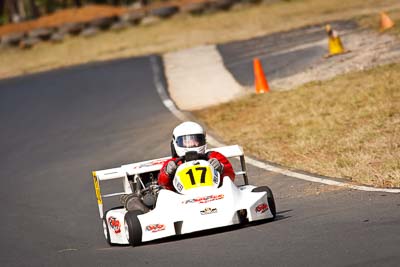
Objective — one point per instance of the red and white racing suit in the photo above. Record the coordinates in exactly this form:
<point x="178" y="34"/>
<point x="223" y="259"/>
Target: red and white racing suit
<point x="166" y="181"/>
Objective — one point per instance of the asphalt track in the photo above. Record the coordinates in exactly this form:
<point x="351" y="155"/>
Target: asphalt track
<point x="282" y="54"/>
<point x="58" y="126"/>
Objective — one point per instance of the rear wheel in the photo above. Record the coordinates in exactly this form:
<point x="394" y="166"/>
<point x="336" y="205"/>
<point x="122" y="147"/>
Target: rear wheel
<point x="270" y="198"/>
<point x="242" y="215"/>
<point x="133" y="230"/>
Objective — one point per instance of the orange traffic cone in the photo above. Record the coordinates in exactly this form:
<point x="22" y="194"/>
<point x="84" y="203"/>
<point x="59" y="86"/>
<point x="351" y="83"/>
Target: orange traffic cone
<point x="335" y="44"/>
<point x="386" y="22"/>
<point x="260" y="81"/>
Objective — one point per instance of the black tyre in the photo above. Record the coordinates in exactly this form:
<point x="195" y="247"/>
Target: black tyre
<point x="57" y="37"/>
<point x="102" y="23"/>
<point x="164" y="12"/>
<point x="132" y="17"/>
<point x="194" y="8"/>
<point x="221" y="4"/>
<point x="41" y="33"/>
<point x="89" y="32"/>
<point x="28" y="42"/>
<point x="133" y="230"/>
<point x="270" y="198"/>
<point x="242" y="215"/>
<point x="106" y="231"/>
<point x="12" y="39"/>
<point x="118" y="26"/>
<point x="73" y="28"/>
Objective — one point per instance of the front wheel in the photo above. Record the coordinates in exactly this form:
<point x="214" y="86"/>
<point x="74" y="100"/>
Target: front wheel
<point x="106" y="231"/>
<point x="133" y="230"/>
<point x="270" y="198"/>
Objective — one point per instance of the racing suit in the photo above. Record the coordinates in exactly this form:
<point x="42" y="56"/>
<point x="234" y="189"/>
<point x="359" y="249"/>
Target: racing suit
<point x="166" y="181"/>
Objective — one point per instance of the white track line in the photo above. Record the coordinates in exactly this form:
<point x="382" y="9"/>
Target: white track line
<point x="169" y="104"/>
<point x="162" y="91"/>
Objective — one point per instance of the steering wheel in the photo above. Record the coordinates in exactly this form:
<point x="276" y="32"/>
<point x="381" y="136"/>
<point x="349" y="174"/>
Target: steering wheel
<point x="191" y="155"/>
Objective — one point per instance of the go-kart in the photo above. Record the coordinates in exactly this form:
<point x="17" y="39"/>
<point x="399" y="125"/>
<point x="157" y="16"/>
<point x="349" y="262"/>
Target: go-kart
<point x="201" y="201"/>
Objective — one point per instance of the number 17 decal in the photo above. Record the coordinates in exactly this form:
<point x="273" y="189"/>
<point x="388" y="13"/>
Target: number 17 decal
<point x="203" y="175"/>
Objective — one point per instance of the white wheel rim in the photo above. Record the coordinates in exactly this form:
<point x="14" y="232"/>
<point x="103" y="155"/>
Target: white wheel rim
<point x="105" y="229"/>
<point x="126" y="230"/>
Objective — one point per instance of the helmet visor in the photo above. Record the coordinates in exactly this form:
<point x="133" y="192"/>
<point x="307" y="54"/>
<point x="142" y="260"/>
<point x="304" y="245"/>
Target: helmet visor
<point x="191" y="140"/>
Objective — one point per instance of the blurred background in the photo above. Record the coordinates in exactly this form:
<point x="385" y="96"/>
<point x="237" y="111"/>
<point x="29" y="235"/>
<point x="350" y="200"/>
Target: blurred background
<point x="12" y="11"/>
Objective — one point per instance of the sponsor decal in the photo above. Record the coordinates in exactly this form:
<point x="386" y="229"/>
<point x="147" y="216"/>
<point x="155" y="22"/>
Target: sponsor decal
<point x="115" y="224"/>
<point x="205" y="199"/>
<point x="179" y="186"/>
<point x="207" y="211"/>
<point x="151" y="163"/>
<point x="215" y="177"/>
<point x="263" y="207"/>
<point x="155" y="227"/>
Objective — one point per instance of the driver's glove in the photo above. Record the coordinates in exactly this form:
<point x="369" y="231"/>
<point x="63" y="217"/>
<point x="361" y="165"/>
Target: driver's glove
<point x="216" y="164"/>
<point x="170" y="168"/>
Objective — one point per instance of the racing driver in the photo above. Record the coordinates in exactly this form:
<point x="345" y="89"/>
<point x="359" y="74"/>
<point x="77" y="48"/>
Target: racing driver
<point x="190" y="136"/>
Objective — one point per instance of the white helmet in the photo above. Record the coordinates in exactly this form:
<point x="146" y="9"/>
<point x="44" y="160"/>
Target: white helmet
<point x="188" y="136"/>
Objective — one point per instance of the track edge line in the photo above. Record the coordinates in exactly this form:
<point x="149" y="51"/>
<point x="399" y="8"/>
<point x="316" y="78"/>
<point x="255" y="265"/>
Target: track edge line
<point x="170" y="105"/>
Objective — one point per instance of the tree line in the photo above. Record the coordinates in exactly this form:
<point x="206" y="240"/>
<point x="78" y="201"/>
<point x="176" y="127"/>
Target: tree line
<point x="13" y="11"/>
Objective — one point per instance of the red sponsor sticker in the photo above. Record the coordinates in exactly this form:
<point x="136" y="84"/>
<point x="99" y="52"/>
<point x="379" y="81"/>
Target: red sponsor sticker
<point x="155" y="227"/>
<point x="115" y="224"/>
<point x="203" y="200"/>
<point x="150" y="163"/>
<point x="263" y="207"/>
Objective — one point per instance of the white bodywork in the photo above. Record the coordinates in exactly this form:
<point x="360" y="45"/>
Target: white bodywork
<point x="199" y="209"/>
